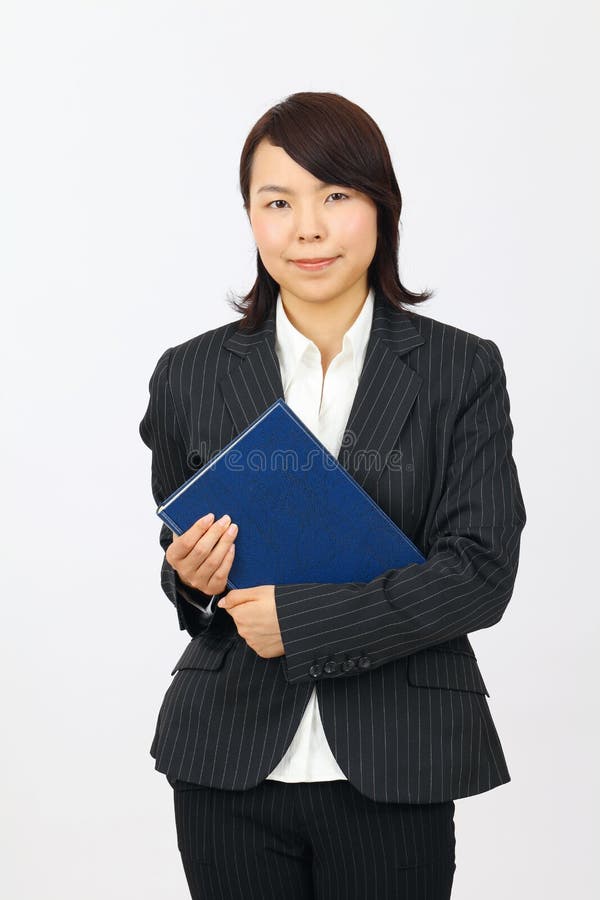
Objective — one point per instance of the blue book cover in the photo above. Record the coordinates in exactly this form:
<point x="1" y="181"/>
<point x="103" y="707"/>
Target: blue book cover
<point x="301" y="516"/>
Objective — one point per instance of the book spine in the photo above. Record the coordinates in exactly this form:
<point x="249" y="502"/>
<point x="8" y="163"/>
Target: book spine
<point x="169" y="521"/>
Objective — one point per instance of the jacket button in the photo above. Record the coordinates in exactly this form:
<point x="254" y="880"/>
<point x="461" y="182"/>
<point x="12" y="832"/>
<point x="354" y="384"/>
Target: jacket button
<point x="364" y="662"/>
<point x="347" y="665"/>
<point x="315" y="670"/>
<point x="330" y="666"/>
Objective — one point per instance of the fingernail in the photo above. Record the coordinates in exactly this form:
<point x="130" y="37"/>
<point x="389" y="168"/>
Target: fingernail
<point x="232" y="528"/>
<point x="207" y="517"/>
<point x="224" y="519"/>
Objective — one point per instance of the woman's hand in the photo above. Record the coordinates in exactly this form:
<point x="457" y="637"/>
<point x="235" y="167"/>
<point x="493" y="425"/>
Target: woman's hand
<point x="203" y="555"/>
<point x="254" y="612"/>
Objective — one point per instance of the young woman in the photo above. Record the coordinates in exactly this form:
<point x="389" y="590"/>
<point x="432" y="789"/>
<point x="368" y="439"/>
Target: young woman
<point x="317" y="735"/>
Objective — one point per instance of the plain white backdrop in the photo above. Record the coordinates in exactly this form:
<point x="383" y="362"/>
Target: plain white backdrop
<point x="123" y="232"/>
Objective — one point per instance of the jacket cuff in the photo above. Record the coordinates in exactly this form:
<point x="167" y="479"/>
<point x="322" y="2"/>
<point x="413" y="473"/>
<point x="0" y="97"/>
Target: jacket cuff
<point x="195" y="609"/>
<point x="323" y="630"/>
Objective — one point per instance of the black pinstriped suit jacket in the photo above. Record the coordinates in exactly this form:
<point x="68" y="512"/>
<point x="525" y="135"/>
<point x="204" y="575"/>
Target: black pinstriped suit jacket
<point x="400" y="692"/>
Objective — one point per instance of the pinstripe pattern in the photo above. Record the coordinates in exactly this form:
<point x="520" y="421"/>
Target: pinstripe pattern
<point x="312" y="841"/>
<point x="401" y="697"/>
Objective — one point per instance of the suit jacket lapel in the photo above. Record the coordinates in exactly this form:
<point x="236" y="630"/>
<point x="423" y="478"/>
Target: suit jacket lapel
<point x="386" y="390"/>
<point x="256" y="383"/>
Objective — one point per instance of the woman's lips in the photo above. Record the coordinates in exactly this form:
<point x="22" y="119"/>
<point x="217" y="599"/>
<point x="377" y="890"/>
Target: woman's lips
<point x="315" y="266"/>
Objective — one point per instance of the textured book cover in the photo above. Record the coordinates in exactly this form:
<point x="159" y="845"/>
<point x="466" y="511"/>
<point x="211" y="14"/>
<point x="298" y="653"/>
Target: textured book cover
<point x="301" y="516"/>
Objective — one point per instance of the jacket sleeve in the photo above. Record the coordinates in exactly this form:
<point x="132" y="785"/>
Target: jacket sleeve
<point x="471" y="561"/>
<point x="160" y="431"/>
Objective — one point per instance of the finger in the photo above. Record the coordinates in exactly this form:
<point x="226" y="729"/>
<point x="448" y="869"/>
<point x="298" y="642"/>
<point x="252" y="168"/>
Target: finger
<point x="236" y="597"/>
<point x="196" y="548"/>
<point x="216" y="540"/>
<point x="208" y="568"/>
<point x="183" y="543"/>
<point x="223" y="570"/>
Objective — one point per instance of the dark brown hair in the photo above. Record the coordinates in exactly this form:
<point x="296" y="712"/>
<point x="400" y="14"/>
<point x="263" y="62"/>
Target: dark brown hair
<point x="339" y="143"/>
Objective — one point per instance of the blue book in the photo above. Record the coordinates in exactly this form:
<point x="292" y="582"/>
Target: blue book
<point x="301" y="516"/>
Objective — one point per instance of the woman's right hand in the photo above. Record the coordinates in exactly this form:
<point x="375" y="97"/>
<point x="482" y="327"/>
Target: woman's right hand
<point x="203" y="555"/>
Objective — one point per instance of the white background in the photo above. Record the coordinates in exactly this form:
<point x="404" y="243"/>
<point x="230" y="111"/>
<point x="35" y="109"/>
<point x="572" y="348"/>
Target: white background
<point x="123" y="234"/>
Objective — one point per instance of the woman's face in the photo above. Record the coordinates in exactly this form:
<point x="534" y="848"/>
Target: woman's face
<point x="302" y="219"/>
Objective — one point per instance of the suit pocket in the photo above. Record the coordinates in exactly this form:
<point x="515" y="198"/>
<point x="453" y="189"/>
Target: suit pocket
<point x="445" y="669"/>
<point x="205" y="651"/>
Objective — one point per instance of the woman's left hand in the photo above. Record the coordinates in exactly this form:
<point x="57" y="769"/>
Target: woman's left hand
<point x="255" y="615"/>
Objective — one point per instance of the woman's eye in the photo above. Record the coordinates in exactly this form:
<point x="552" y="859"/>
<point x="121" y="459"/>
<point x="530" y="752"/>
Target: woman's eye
<point x="334" y="194"/>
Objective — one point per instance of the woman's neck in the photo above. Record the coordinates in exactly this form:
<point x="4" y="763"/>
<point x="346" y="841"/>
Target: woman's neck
<point x="325" y="321"/>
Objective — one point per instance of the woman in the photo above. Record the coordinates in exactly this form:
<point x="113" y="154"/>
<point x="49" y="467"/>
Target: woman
<point x="317" y="735"/>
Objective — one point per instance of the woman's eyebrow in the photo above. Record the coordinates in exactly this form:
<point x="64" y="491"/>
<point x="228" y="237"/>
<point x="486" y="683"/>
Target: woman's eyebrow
<point x="277" y="189"/>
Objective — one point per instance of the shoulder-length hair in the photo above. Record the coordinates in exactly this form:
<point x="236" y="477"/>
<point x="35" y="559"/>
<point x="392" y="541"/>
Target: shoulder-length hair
<point x="339" y="143"/>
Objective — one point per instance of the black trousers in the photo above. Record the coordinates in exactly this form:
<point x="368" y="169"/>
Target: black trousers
<point x="320" y="840"/>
